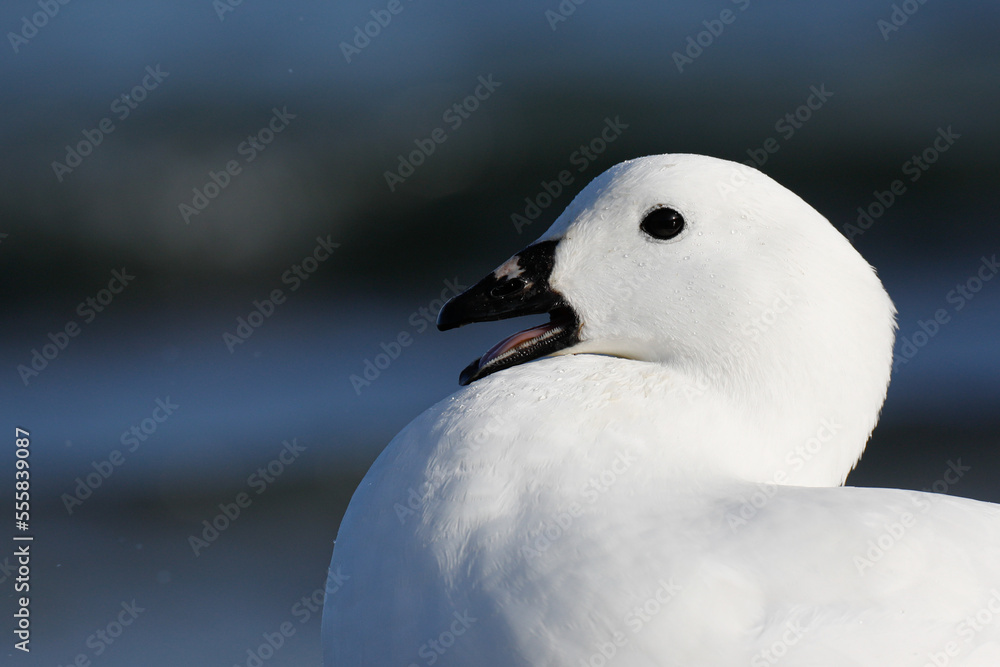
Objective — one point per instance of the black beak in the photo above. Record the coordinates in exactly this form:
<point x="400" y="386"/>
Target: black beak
<point x="519" y="287"/>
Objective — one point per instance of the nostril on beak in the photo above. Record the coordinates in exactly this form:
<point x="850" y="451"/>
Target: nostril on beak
<point x="508" y="287"/>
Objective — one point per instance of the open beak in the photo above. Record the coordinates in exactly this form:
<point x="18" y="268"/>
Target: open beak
<point x="519" y="287"/>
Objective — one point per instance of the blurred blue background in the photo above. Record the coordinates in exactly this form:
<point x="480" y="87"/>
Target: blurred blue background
<point x="210" y="75"/>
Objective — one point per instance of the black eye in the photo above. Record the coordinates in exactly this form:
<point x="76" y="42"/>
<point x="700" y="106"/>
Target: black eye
<point x="662" y="223"/>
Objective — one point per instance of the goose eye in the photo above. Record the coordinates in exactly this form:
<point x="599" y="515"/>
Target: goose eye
<point x="662" y="223"/>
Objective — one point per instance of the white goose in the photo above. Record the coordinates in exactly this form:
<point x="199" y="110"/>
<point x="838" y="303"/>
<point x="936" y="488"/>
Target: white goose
<point x="662" y="487"/>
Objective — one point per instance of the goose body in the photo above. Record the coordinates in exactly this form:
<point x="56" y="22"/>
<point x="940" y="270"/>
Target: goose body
<point x="653" y="477"/>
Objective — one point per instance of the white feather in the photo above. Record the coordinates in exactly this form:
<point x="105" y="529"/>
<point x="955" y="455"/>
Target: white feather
<point x="654" y="495"/>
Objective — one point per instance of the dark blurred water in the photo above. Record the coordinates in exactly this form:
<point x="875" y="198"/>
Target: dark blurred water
<point x="323" y="177"/>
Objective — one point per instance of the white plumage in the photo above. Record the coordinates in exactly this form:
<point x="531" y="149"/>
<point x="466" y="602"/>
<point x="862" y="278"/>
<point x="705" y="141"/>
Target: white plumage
<point x="665" y="489"/>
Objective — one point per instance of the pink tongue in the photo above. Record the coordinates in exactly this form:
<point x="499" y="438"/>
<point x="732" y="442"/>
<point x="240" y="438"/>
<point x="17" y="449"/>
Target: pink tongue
<point x="513" y="341"/>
